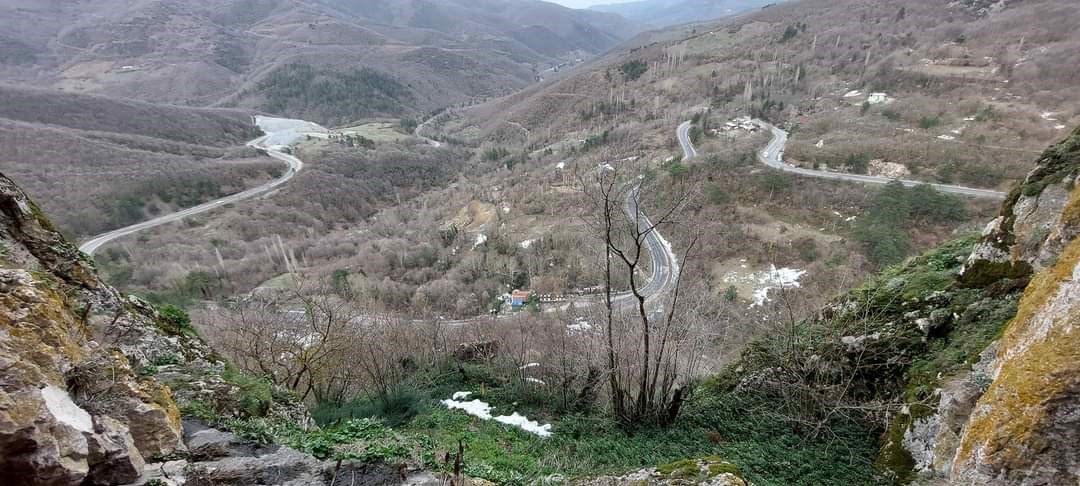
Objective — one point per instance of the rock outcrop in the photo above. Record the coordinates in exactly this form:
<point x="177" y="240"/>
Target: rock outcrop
<point x="92" y="380"/>
<point x="1026" y="428"/>
<point x="1014" y="416"/>
<point x="71" y="410"/>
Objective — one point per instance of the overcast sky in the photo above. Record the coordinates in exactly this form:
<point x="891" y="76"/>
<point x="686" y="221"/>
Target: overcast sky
<point x="585" y="3"/>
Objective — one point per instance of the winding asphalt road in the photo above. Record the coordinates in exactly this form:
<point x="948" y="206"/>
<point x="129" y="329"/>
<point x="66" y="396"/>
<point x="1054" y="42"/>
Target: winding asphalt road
<point x="773" y="156"/>
<point x="276" y="151"/>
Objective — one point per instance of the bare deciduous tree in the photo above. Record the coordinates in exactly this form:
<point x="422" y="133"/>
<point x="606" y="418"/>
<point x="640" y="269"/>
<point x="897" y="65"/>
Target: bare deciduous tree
<point x="647" y="367"/>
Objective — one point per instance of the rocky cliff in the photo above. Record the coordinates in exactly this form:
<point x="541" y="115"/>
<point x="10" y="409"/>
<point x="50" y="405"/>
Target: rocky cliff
<point x="91" y="379"/>
<point x="1013" y="416"/>
<point x="72" y="409"/>
<point x="1025" y="428"/>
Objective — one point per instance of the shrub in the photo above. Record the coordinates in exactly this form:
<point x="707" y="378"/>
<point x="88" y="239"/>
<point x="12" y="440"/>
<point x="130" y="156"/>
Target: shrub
<point x="175" y="321"/>
<point x="632" y="70"/>
<point x="928" y="122"/>
<point x="397" y="407"/>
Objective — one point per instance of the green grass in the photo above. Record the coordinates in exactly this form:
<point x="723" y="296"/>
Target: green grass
<point x="764" y="449"/>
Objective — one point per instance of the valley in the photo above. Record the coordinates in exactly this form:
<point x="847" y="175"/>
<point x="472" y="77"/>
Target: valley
<point x="511" y="242"/>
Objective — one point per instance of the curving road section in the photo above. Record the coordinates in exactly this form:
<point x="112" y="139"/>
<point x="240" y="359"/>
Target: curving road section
<point x="773" y="156"/>
<point x="683" y="134"/>
<point x="280" y="132"/>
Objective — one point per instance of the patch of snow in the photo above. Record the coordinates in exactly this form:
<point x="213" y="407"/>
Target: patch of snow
<point x="946" y="137"/>
<point x="461" y="395"/>
<point x="820" y="143"/>
<point x="529" y="365"/>
<point x="482" y="411"/>
<point x="475" y="408"/>
<point x="970" y="118"/>
<point x="535" y="380"/>
<point x="956" y="131"/>
<point x="1059" y="127"/>
<point x="66" y="411"/>
<point x="852" y="93"/>
<point x="850" y="218"/>
<point x="480" y="240"/>
<point x="525" y="424"/>
<point x="606" y="167"/>
<point x="560" y="165"/>
<point x="581" y="325"/>
<point x="527" y="243"/>
<point x="782" y="278"/>
<point x="506" y="209"/>
<point x="1048" y="116"/>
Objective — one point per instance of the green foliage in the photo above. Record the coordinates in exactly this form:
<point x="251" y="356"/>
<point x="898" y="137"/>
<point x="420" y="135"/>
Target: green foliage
<point x="928" y="122"/>
<point x="175" y="321"/>
<point x="789" y="33"/>
<point x="882" y="231"/>
<point x="199" y="285"/>
<point x="329" y="94"/>
<point x="494" y="154"/>
<point x="166" y="360"/>
<point x="632" y="70"/>
<point x="408" y="125"/>
<point x="857" y="163"/>
<point x="774" y="182"/>
<point x="890" y="114"/>
<point x="339" y="281"/>
<point x="595" y="141"/>
<point x="987" y="113"/>
<point x="731" y="293"/>
<point x="592" y="445"/>
<point x="255" y="395"/>
<point x="397" y="407"/>
<point x="678" y="170"/>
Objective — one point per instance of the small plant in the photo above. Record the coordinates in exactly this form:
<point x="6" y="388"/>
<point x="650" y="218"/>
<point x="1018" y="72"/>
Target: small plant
<point x="166" y="359"/>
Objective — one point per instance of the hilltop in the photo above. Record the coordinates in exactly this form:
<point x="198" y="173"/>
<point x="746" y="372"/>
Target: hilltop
<point x="97" y="163"/>
<point x="418" y="56"/>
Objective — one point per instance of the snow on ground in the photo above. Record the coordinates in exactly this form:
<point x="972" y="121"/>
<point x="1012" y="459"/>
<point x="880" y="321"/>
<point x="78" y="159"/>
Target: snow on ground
<point x="535" y="380"/>
<point x="529" y="365"/>
<point x="852" y="94"/>
<point x="578" y="326"/>
<point x="287" y="131"/>
<point x="66" y="411"/>
<point x="764" y="281"/>
<point x="560" y="165"/>
<point x="527" y="243"/>
<point x="525" y="424"/>
<point x="482" y="410"/>
<point x="783" y="278"/>
<point x="480" y="239"/>
<point x="475" y="408"/>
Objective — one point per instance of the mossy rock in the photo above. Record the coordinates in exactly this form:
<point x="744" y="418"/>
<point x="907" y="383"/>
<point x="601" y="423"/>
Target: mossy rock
<point x="684" y="469"/>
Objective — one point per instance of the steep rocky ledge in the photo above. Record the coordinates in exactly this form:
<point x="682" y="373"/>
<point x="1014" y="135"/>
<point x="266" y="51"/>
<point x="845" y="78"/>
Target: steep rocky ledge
<point x="1013" y="417"/>
<point x="91" y="379"/>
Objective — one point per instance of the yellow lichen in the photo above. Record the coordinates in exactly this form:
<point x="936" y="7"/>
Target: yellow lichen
<point x="1040" y="362"/>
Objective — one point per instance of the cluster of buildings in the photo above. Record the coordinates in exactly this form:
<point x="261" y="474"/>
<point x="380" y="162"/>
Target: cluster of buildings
<point x="741" y="123"/>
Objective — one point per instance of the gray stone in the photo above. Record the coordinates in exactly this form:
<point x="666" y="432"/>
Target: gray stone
<point x="113" y="457"/>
